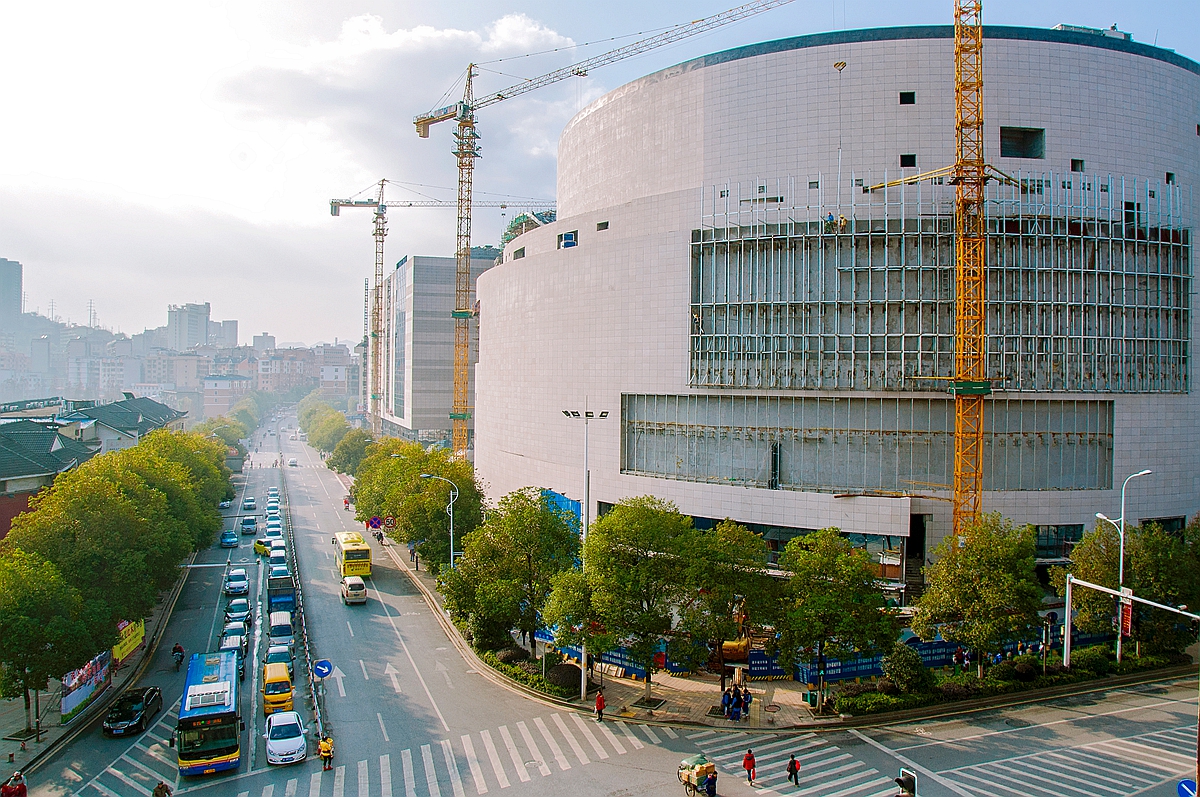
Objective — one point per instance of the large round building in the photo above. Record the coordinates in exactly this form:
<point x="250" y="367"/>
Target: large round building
<point x="770" y="337"/>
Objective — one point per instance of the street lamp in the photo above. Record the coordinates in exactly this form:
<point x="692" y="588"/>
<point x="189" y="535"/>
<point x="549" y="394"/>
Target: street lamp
<point x="449" y="509"/>
<point x="1120" y="524"/>
<point x="586" y="415"/>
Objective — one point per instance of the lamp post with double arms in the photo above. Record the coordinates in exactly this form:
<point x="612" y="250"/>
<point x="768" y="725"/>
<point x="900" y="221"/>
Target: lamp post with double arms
<point x="1120" y="524"/>
<point x="449" y="509"/>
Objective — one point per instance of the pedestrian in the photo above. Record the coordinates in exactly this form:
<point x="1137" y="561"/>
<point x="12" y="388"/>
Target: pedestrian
<point x="735" y="708"/>
<point x="726" y="702"/>
<point x="958" y="659"/>
<point x="710" y="785"/>
<point x="966" y="660"/>
<point x="748" y="765"/>
<point x="600" y="705"/>
<point x="161" y="790"/>
<point x="1021" y="648"/>
<point x="14" y="786"/>
<point x="325" y="748"/>
<point x="793" y="770"/>
<point x="747" y="699"/>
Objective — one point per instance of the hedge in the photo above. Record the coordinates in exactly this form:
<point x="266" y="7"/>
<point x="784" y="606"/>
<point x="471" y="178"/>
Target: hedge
<point x="536" y="682"/>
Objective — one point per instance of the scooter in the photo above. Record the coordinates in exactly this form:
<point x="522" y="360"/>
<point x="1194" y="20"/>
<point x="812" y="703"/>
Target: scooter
<point x="178" y="656"/>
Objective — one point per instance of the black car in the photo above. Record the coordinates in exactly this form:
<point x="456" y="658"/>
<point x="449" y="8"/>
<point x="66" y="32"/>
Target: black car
<point x="132" y="711"/>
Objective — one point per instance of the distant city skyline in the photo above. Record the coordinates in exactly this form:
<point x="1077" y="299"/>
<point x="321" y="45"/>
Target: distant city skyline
<point x="209" y="175"/>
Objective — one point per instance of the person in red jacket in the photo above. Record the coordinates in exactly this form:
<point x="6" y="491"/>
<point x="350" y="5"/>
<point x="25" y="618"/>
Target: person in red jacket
<point x="600" y="706"/>
<point x="748" y="765"/>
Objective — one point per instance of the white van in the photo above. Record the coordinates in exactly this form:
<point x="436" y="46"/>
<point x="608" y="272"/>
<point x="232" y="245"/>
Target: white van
<point x="280" y="629"/>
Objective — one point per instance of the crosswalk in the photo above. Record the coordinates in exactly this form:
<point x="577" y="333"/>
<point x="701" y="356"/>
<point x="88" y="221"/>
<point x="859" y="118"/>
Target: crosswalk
<point x="825" y="769"/>
<point x="1100" y="769"/>
<point x="146" y="761"/>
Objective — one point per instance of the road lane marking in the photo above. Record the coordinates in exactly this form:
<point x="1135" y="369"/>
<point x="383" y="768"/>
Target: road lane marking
<point x="587" y="732"/>
<point x="473" y="763"/>
<point x="290" y="789"/>
<point x="364" y="780"/>
<point x="518" y="764"/>
<point x="385" y="775"/>
<point x="339" y="676"/>
<point x="452" y="768"/>
<point x="269" y="790"/>
<point x="533" y="748"/>
<point x="612" y="738"/>
<point x="430" y="772"/>
<point x="339" y="782"/>
<point x="392" y="672"/>
<point x="314" y="785"/>
<point x="667" y="730"/>
<point x="651" y="735"/>
<point x="571" y="740"/>
<point x="488" y="745"/>
<point x="410" y="779"/>
<point x="387" y="612"/>
<point x="382" y="727"/>
<point x="563" y="763"/>
<point x="363" y="664"/>
<point x="441" y="668"/>
<point x="137" y="786"/>
<point x="350" y="628"/>
<point x="633" y="740"/>
<point x="908" y="762"/>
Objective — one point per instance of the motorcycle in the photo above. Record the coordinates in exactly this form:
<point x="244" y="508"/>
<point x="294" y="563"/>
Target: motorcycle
<point x="178" y="656"/>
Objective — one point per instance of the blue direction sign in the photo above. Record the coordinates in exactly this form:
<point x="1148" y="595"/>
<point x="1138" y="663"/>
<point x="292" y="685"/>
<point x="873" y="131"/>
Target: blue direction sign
<point x="322" y="668"/>
<point x="1187" y="788"/>
<point x="375" y="522"/>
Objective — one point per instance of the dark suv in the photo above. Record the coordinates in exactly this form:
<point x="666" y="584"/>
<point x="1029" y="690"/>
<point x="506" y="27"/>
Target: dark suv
<point x="132" y="711"/>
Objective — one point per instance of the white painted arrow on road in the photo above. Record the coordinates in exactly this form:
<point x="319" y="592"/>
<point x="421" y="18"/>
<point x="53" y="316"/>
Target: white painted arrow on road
<point x="338" y="675"/>
<point x="439" y="667"/>
<point x="392" y="672"/>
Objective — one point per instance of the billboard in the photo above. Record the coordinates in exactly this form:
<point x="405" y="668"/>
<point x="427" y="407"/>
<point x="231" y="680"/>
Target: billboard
<point x="80" y="687"/>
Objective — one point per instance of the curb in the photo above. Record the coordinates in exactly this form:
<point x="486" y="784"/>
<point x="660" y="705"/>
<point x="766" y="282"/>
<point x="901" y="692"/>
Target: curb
<point x="131" y="676"/>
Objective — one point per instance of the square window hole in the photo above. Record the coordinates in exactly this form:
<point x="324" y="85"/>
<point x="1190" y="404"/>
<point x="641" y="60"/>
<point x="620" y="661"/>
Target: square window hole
<point x="1022" y="142"/>
<point x="1076" y="164"/>
<point x="908" y="161"/>
<point x="601" y="225"/>
<point x="1170" y="178"/>
<point x="908" y="98"/>
<point x="814" y="185"/>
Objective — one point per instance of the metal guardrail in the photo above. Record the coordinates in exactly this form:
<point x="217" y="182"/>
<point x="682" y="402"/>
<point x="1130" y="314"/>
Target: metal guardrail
<point x="313" y="694"/>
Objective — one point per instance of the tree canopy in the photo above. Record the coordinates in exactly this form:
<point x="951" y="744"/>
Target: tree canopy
<point x="350" y="451"/>
<point x="324" y="425"/>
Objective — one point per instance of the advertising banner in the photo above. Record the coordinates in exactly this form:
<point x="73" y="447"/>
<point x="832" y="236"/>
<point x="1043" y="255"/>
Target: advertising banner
<point x="80" y="687"/>
<point x="129" y="638"/>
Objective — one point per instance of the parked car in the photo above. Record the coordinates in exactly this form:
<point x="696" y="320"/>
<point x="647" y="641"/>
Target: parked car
<point x="277" y="545"/>
<point x="132" y="711"/>
<point x="273" y="533"/>
<point x="279" y="571"/>
<point x="229" y="539"/>
<point x="226" y="505"/>
<point x="236" y="628"/>
<point x="239" y="610"/>
<point x="353" y="590"/>
<point x="239" y="645"/>
<point x="282" y="654"/>
<point x="277" y="557"/>
<point x="249" y="504"/>
<point x="274" y="523"/>
<point x="236" y="582"/>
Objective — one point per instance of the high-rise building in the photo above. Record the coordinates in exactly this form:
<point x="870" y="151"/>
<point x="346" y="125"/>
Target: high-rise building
<point x="10" y="293"/>
<point x="187" y="326"/>
<point x="224" y="334"/>
<point x="264" y="342"/>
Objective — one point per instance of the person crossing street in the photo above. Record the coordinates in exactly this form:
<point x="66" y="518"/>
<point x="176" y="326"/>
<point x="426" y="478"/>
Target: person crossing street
<point x="793" y="770"/>
<point x="748" y="765"/>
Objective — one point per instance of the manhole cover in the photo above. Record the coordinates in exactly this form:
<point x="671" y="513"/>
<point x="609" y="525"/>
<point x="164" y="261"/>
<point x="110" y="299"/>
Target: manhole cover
<point x="772" y="708"/>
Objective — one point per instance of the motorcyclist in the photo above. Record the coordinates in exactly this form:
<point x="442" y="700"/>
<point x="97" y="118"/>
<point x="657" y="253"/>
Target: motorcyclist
<point x="177" y="654"/>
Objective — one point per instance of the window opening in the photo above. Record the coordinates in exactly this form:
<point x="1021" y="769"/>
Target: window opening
<point x="1022" y="142"/>
<point x="1076" y="164"/>
<point x="1170" y="178"/>
<point x="814" y="184"/>
<point x="568" y="239"/>
<point x="518" y="253"/>
<point x="908" y="98"/>
<point x="601" y="225"/>
<point x="908" y="161"/>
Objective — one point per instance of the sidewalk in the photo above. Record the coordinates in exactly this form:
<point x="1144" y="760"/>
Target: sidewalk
<point x="776" y="704"/>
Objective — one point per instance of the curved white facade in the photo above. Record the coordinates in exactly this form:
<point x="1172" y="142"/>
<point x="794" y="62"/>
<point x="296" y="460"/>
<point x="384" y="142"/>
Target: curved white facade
<point x="761" y="363"/>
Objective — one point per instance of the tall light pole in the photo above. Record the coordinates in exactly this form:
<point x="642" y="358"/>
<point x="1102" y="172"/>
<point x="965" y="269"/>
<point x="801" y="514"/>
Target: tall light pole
<point x="449" y="509"/>
<point x="587" y="415"/>
<point x="1120" y="524"/>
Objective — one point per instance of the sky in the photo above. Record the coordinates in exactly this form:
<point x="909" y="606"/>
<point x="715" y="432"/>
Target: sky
<point x="161" y="153"/>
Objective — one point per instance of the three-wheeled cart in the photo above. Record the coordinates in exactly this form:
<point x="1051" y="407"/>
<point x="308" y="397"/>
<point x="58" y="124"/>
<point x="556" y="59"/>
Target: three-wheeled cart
<point x="693" y="772"/>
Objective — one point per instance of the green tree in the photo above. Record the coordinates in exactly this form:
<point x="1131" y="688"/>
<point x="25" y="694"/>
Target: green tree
<point x="1159" y="566"/>
<point x="44" y="631"/>
<point x="389" y="483"/>
<point x="203" y="457"/>
<point x="327" y="430"/>
<point x="633" y="560"/>
<point x="832" y="604"/>
<point x="350" y="451"/>
<point x="982" y="591"/>
<point x="229" y="431"/>
<point x="523" y="544"/>
<point x="725" y="573"/>
<point x="571" y="612"/>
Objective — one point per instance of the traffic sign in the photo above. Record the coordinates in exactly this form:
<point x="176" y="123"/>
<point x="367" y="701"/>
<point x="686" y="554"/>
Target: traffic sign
<point x="1126" y="619"/>
<point x="1186" y="788"/>
<point x="389" y="522"/>
<point x="375" y="522"/>
<point x="322" y="668"/>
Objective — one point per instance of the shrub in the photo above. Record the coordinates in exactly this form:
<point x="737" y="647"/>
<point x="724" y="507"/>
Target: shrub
<point x="1093" y="659"/>
<point x="1004" y="671"/>
<point x="874" y="703"/>
<point x="904" y="667"/>
<point x="886" y="686"/>
<point x="565" y="676"/>
<point x="512" y="655"/>
<point x="852" y="689"/>
<point x="957" y="690"/>
<point x="487" y="634"/>
<point x="528" y="679"/>
<point x="1025" y="671"/>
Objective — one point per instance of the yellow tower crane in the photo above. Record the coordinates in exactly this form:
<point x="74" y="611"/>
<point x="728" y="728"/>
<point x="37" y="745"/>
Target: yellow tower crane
<point x="466" y="150"/>
<point x="375" y="294"/>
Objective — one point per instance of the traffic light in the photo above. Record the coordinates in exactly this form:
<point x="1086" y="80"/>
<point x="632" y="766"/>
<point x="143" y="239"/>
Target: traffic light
<point x="907" y="781"/>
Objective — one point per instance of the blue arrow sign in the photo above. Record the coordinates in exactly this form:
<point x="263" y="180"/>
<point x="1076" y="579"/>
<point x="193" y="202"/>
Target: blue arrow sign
<point x="322" y="668"/>
<point x="1186" y="788"/>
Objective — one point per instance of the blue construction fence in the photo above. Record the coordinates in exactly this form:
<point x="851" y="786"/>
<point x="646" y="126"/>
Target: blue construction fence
<point x="762" y="667"/>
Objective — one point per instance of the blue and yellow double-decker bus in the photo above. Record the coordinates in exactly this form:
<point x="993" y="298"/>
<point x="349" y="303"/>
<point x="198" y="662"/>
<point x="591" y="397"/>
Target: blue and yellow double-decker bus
<point x="208" y="735"/>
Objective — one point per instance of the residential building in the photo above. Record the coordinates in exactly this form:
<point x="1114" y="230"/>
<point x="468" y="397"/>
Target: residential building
<point x="187" y="326"/>
<point x="222" y="391"/>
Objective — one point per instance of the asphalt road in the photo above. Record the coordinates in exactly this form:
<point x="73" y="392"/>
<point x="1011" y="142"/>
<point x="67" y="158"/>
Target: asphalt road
<point x="410" y="717"/>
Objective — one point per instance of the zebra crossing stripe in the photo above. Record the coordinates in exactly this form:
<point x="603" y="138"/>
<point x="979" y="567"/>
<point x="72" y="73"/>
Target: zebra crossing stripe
<point x="452" y="769"/>
<point x="269" y="790"/>
<point x="820" y="789"/>
<point x="385" y="776"/>
<point x="1106" y="763"/>
<point x="571" y="740"/>
<point x="290" y="789"/>
<point x="314" y="785"/>
<point x="243" y="794"/>
<point x="410" y="778"/>
<point x="732" y="741"/>
<point x="133" y="784"/>
<point x="1056" y="775"/>
<point x="701" y="735"/>
<point x="992" y="784"/>
<point x="612" y="738"/>
<point x="1024" y="775"/>
<point x="563" y="764"/>
<point x="339" y="782"/>
<point x="531" y="745"/>
<point x="587" y="732"/>
<point x="667" y="730"/>
<point x="518" y="764"/>
<point x="364" y="780"/>
<point x="488" y="745"/>
<point x="430" y="774"/>
<point x="868" y="785"/>
<point x="633" y="740"/>
<point x="473" y="763"/>
<point x="651" y="735"/>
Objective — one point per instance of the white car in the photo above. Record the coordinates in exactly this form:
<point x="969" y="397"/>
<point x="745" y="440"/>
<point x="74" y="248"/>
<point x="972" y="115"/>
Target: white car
<point x="286" y="738"/>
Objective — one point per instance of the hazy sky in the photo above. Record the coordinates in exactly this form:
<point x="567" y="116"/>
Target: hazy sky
<point x="159" y="153"/>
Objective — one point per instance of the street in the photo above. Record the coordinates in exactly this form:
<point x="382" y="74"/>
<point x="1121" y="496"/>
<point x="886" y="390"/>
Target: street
<point x="409" y="716"/>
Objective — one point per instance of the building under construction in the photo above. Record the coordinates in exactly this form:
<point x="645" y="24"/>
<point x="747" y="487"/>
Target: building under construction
<point x="772" y="333"/>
